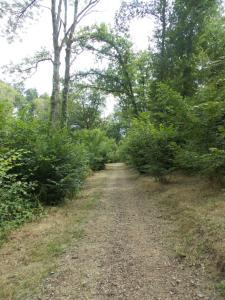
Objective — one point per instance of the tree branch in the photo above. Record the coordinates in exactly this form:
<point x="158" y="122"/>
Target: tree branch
<point x="24" y="10"/>
<point x="86" y="10"/>
<point x="96" y="87"/>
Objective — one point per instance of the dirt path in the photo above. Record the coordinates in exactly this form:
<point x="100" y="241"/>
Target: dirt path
<point x="126" y="252"/>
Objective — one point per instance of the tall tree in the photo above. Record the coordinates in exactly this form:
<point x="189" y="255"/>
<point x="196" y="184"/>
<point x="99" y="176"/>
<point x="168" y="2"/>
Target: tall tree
<point x="63" y="29"/>
<point x="161" y="13"/>
<point x="187" y="23"/>
<point x="120" y="77"/>
<point x="79" y="12"/>
<point x="85" y="108"/>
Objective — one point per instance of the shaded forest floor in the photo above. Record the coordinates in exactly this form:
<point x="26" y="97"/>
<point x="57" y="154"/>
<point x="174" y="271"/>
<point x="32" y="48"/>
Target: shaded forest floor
<point x="125" y="237"/>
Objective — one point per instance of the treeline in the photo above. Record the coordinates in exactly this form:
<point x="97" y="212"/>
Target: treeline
<point x="48" y="145"/>
<point x="172" y="96"/>
<point x="182" y="125"/>
<point x="170" y="113"/>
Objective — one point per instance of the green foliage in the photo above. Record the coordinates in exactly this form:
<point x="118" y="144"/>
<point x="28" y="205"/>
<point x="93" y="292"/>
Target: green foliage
<point x="213" y="164"/>
<point x="126" y="71"/>
<point x="187" y="23"/>
<point x="8" y="100"/>
<point x="208" y="125"/>
<point x="188" y="160"/>
<point x="5" y="116"/>
<point x="150" y="149"/>
<point x="85" y="107"/>
<point x="60" y="167"/>
<point x="175" y="92"/>
<point x="115" y="126"/>
<point x="221" y="287"/>
<point x="211" y="54"/>
<point x="100" y="148"/>
<point x="18" y="202"/>
<point x="168" y="107"/>
<point x="57" y="163"/>
<point x="203" y="150"/>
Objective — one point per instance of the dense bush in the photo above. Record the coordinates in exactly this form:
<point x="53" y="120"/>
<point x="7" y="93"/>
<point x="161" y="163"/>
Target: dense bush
<point x="210" y="164"/>
<point x="54" y="161"/>
<point x="213" y="164"/>
<point x="203" y="151"/>
<point x="207" y="128"/>
<point x="100" y="148"/>
<point x="61" y="166"/>
<point x="17" y="200"/>
<point x="39" y="164"/>
<point x="150" y="149"/>
<point x="168" y="107"/>
<point x="188" y="160"/>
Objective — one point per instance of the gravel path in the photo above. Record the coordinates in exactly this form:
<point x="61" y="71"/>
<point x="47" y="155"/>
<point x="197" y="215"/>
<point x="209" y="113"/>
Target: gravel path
<point x="126" y="252"/>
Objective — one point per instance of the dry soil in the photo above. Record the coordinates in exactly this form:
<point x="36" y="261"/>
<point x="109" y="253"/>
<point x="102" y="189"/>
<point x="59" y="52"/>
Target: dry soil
<point x="126" y="252"/>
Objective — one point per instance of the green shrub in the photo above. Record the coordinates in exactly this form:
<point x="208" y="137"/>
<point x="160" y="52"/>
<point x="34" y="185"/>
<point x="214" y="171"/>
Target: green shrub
<point x="207" y="129"/>
<point x="61" y="166"/>
<point x="221" y="288"/>
<point x="100" y="148"/>
<point x="113" y="156"/>
<point x="188" y="160"/>
<point x="168" y="107"/>
<point x="57" y="163"/>
<point x="204" y="148"/>
<point x="17" y="200"/>
<point x="150" y="149"/>
<point x="212" y="164"/>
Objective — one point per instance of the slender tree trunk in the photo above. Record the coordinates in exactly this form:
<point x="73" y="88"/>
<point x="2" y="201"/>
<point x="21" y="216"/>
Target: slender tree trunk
<point x="55" y="97"/>
<point x="56" y="26"/>
<point x="65" y="94"/>
<point x="69" y="43"/>
<point x="163" y="41"/>
<point x="69" y="40"/>
<point x="131" y="93"/>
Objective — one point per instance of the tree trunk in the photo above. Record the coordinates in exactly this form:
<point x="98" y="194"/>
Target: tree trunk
<point x="163" y="41"/>
<point x="55" y="97"/>
<point x="65" y="95"/>
<point x="69" y="43"/>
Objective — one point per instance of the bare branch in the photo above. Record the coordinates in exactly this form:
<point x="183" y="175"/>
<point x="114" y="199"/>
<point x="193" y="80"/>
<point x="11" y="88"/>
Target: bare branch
<point x="17" y="13"/>
<point x="34" y="67"/>
<point x="86" y="10"/>
<point x="29" y="65"/>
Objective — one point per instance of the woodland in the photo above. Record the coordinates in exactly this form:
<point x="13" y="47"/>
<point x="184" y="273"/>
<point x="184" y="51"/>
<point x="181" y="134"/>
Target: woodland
<point x="170" y="112"/>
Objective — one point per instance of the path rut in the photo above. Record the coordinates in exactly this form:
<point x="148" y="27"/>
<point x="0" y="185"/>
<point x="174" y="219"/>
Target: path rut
<point x="127" y="250"/>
